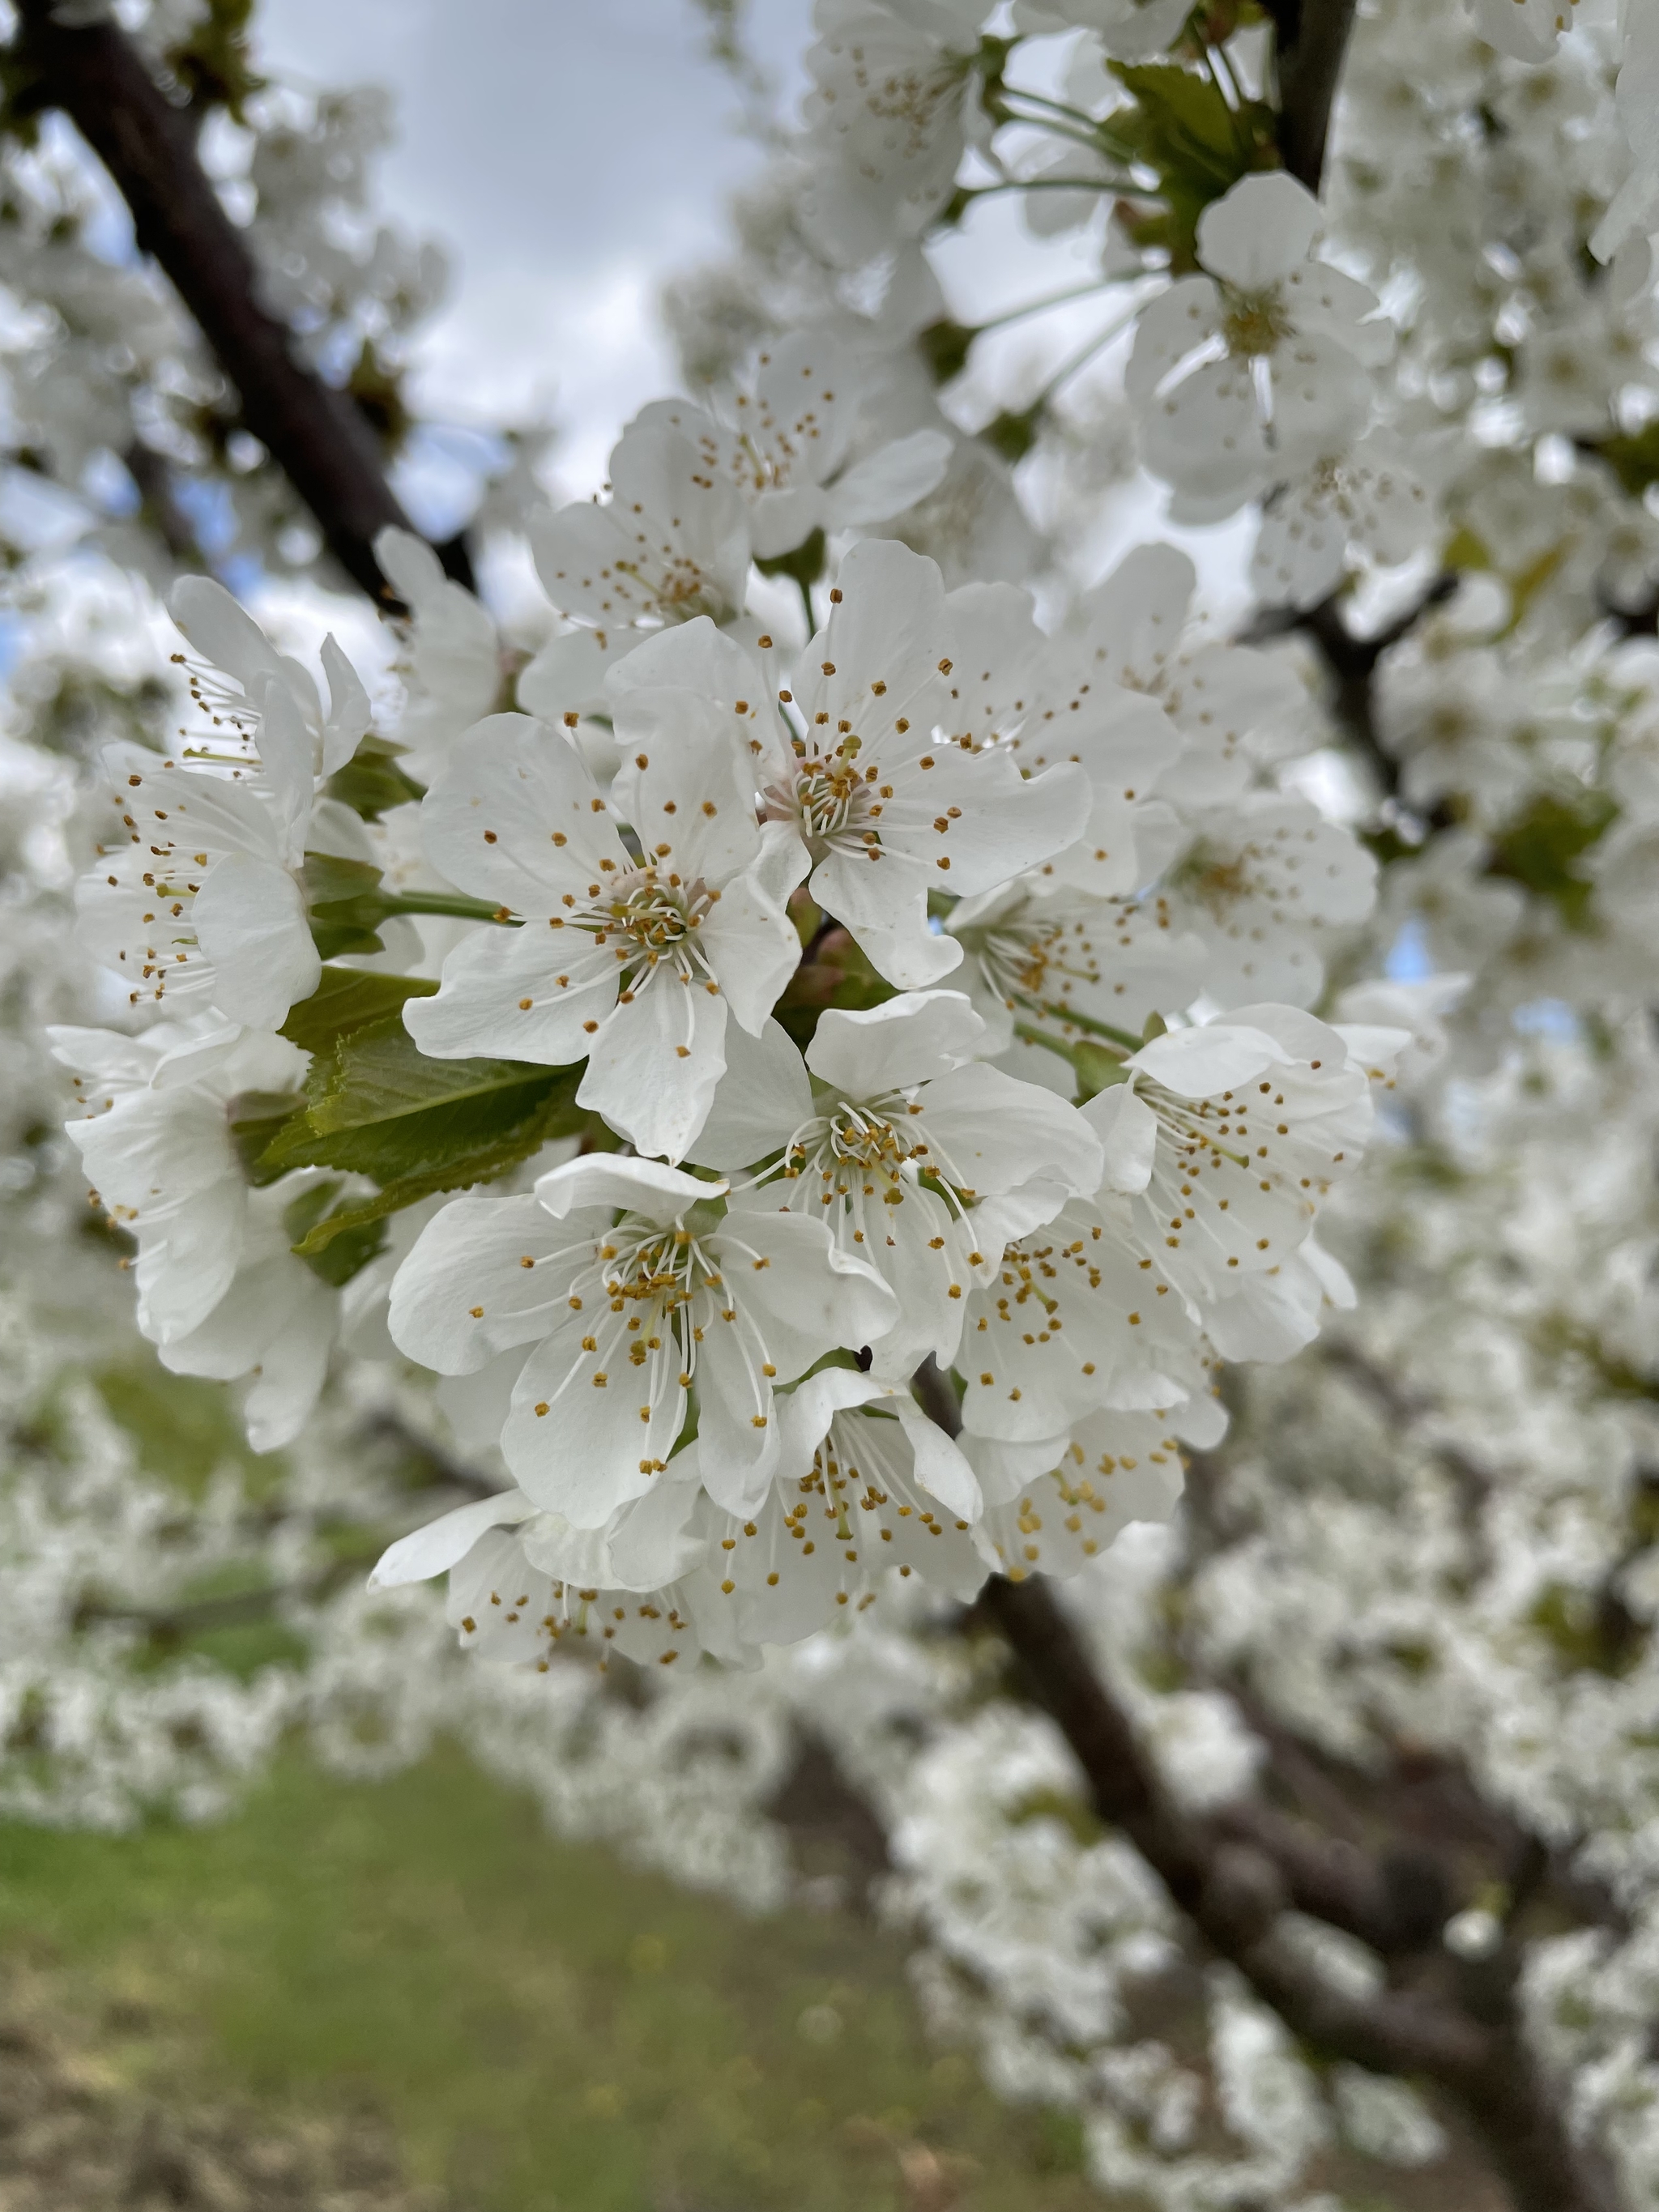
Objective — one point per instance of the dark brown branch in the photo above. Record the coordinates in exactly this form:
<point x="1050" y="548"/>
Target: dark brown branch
<point x="1235" y="1873"/>
<point x="1311" y="37"/>
<point x="96" y="76"/>
<point x="1351" y="664"/>
<point x="1234" y="1878"/>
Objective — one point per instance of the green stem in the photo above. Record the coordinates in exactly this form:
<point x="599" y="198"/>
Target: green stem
<point x="1055" y="107"/>
<point x="1061" y="184"/>
<point x="468" y="909"/>
<point x="1032" y="1035"/>
<point x="1068" y="369"/>
<point x="806" y="601"/>
<point x="1040" y="307"/>
<point x="1121" y="1037"/>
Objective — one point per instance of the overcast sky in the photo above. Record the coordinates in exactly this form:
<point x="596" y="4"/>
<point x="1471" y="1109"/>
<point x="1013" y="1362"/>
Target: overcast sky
<point x="570" y="155"/>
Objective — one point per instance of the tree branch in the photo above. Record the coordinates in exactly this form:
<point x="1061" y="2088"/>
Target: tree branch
<point x="1235" y="1873"/>
<point x="1311" y="37"/>
<point x="1234" y="1877"/>
<point x="97" y="77"/>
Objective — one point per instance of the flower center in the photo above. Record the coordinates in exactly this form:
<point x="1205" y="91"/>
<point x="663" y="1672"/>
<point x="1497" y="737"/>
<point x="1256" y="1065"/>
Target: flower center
<point x="650" y="922"/>
<point x="833" y="802"/>
<point x="1255" y="322"/>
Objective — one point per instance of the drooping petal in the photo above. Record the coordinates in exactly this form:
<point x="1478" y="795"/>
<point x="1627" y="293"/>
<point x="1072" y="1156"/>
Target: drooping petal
<point x="250" y="919"/>
<point x="654" y="1066"/>
<point x="443" y="1543"/>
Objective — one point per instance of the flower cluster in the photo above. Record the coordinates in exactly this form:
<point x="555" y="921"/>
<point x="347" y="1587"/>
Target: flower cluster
<point x="700" y="1347"/>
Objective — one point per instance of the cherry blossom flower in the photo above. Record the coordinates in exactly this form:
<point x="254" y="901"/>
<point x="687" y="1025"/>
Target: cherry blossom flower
<point x="1256" y="369"/>
<point x="523" y="1583"/>
<point x="632" y="1286"/>
<point x="203" y="908"/>
<point x="893" y="100"/>
<point x="155" y="1142"/>
<point x="670" y="543"/>
<point x="785" y="446"/>
<point x="918" y="1159"/>
<point x="1113" y="1468"/>
<point x="1256" y="880"/>
<point x="629" y="958"/>
<point x="884" y="803"/>
<point x="866" y="1490"/>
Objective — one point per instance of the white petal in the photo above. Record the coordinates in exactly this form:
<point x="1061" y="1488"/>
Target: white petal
<point x="250" y="921"/>
<point x="445" y="1543"/>
<point x="749" y="940"/>
<point x="1128" y="1128"/>
<point x="762" y="1099"/>
<point x="940" y="1465"/>
<point x="891" y="479"/>
<point x="1197" y="1063"/>
<point x="464" y="1293"/>
<point x="661" y="1194"/>
<point x="990" y="1131"/>
<point x="1259" y="231"/>
<point x="654" y="1065"/>
<point x="223" y="632"/>
<point x="490" y="824"/>
<point x="480" y="1009"/>
<point x="910" y="1039"/>
<point x="348" y="707"/>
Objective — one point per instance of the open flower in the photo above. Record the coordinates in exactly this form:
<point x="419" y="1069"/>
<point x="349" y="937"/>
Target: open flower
<point x="630" y="958"/>
<point x="1113" y="1468"/>
<point x="920" y="1160"/>
<point x="1256" y="881"/>
<point x="1248" y="374"/>
<point x="1227" y="1139"/>
<point x="633" y="1288"/>
<point x="894" y="98"/>
<point x="1061" y="965"/>
<point x="154" y="1138"/>
<point x="784" y="445"/>
<point x="884" y="801"/>
<point x="1070" y="1322"/>
<point x="865" y="1487"/>
<point x="202" y="910"/>
<point x="672" y="543"/>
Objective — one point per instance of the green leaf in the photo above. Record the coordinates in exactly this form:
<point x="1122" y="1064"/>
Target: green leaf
<point x="349" y="999"/>
<point x="371" y="783"/>
<point x="376" y="1106"/>
<point x="1183" y="129"/>
<point x="337" y="1256"/>
<point x="255" y="1118"/>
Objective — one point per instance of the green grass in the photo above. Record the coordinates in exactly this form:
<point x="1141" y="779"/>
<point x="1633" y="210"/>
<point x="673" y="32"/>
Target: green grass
<point x="543" y="2028"/>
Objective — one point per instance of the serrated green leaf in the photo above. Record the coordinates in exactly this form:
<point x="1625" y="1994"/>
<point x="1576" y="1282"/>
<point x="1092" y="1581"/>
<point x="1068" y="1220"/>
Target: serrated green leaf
<point x="379" y="1106"/>
<point x="337" y="1256"/>
<point x="349" y="999"/>
<point x="372" y="783"/>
